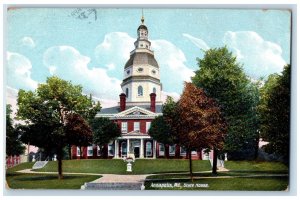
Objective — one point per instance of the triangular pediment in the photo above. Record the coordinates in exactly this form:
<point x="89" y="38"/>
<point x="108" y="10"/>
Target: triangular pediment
<point x="136" y="111"/>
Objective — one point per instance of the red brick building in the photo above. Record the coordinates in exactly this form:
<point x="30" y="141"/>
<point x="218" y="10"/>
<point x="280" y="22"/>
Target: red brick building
<point x="138" y="106"/>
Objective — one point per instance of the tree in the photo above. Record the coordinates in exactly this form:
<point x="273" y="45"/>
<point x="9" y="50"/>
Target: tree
<point x="201" y="122"/>
<point x="14" y="145"/>
<point x="223" y="79"/>
<point x="104" y="130"/>
<point x="161" y="131"/>
<point x="45" y="112"/>
<point x="274" y="110"/>
<point x="78" y="132"/>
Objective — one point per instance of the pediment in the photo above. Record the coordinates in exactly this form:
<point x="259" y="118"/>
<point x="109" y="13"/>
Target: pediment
<point x="136" y="111"/>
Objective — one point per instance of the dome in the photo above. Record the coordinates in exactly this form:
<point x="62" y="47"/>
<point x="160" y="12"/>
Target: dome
<point x="141" y="58"/>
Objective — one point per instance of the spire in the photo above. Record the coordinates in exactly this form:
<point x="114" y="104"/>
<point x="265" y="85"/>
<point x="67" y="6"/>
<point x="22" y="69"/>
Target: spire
<point x="142" y="19"/>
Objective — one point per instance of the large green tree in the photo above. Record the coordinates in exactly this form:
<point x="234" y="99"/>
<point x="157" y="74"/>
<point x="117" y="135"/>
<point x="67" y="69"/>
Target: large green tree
<point x="274" y="109"/>
<point x="223" y="79"/>
<point x="14" y="145"/>
<point x="46" y="110"/>
<point x="104" y="131"/>
<point x="161" y="131"/>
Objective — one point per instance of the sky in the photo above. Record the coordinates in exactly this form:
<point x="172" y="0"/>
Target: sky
<point x="90" y="46"/>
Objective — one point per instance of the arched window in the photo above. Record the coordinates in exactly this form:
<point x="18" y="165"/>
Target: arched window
<point x="140" y="91"/>
<point x="148" y="149"/>
<point x="127" y="92"/>
<point x="154" y="90"/>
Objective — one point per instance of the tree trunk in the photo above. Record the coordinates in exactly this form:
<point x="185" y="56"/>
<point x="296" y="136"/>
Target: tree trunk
<point x="70" y="152"/>
<point x="215" y="156"/>
<point x="256" y="146"/>
<point x="80" y="155"/>
<point x="190" y="164"/>
<point x="59" y="162"/>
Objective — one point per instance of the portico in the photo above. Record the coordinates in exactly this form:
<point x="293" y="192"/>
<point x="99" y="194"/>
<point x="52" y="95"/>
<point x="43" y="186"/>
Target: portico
<point x="135" y="145"/>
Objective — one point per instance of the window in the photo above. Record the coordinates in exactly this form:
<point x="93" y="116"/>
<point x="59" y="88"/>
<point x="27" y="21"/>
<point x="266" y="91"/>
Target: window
<point x="136" y="126"/>
<point x="123" y="149"/>
<point x="182" y="151"/>
<point x="148" y="125"/>
<point x="98" y="151"/>
<point x="161" y="149"/>
<point x="148" y="149"/>
<point x="128" y="72"/>
<point x="110" y="150"/>
<point x="172" y="150"/>
<point x="140" y="69"/>
<point x="140" y="91"/>
<point x="124" y="127"/>
<point x="153" y="71"/>
<point x="90" y="151"/>
<point x="154" y="90"/>
<point x="78" y="151"/>
<point x="127" y="92"/>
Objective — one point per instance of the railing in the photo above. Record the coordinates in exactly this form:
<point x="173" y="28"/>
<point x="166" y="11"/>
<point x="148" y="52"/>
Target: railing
<point x="12" y="161"/>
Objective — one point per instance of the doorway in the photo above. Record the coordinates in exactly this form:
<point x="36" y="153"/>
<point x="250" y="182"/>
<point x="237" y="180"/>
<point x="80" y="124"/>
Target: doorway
<point x="136" y="152"/>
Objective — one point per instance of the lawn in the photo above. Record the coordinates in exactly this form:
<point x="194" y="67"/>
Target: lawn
<point x="255" y="166"/>
<point x="46" y="181"/>
<point x="235" y="184"/>
<point x="140" y="166"/>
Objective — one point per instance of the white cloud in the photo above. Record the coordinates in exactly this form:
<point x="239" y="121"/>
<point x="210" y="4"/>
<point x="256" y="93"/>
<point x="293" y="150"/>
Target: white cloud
<point x="172" y="62"/>
<point x="115" y="47"/>
<point x="260" y="57"/>
<point x="19" y="72"/>
<point x="197" y="41"/>
<point x="69" y="64"/>
<point x="110" y="66"/>
<point x="28" y="41"/>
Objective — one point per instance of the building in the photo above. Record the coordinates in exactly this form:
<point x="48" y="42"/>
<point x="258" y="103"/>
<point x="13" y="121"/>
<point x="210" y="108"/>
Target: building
<point x="139" y="104"/>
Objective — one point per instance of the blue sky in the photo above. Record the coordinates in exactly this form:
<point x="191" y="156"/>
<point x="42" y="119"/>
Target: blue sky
<point x="91" y="46"/>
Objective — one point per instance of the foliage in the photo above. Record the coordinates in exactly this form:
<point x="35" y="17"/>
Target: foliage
<point x="223" y="79"/>
<point x="46" y="110"/>
<point x="201" y="122"/>
<point x="161" y="131"/>
<point x="104" y="130"/>
<point x="275" y="113"/>
<point x="14" y="145"/>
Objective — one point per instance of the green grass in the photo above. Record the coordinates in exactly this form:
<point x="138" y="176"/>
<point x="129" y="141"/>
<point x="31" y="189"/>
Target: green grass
<point x="233" y="184"/>
<point x="255" y="166"/>
<point x="26" y="165"/>
<point x="116" y="166"/>
<point x="46" y="181"/>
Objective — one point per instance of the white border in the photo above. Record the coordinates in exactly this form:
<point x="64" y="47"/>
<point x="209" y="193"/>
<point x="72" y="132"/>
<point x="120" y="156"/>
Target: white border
<point x="277" y="4"/>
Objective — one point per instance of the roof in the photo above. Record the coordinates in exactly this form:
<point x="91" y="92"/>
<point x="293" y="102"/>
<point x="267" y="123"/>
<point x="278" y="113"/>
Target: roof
<point x="142" y="26"/>
<point x="139" y="58"/>
<point x="116" y="109"/>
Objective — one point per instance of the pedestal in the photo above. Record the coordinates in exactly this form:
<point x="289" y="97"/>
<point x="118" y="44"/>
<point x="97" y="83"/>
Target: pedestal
<point x="129" y="167"/>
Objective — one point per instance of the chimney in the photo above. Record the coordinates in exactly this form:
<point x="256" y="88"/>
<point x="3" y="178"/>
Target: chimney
<point x="152" y="104"/>
<point x="122" y="101"/>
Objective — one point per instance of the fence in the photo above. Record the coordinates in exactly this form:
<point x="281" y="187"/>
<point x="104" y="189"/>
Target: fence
<point x="12" y="161"/>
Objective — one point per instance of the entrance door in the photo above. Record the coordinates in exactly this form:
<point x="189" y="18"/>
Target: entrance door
<point x="136" y="152"/>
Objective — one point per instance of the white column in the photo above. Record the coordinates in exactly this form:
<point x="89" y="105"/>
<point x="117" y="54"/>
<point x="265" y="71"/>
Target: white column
<point x="154" y="149"/>
<point x="116" y="149"/>
<point x="142" y="149"/>
<point x="128" y="143"/>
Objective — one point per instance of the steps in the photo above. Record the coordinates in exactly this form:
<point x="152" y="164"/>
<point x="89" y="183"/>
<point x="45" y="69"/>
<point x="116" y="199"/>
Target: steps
<point x="113" y="186"/>
<point x="39" y="164"/>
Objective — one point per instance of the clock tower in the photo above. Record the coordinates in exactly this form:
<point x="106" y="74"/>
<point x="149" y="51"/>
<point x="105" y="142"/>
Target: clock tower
<point x="141" y="71"/>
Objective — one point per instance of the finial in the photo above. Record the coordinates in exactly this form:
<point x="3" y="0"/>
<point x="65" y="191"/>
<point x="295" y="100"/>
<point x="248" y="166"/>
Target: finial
<point x="142" y="19"/>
